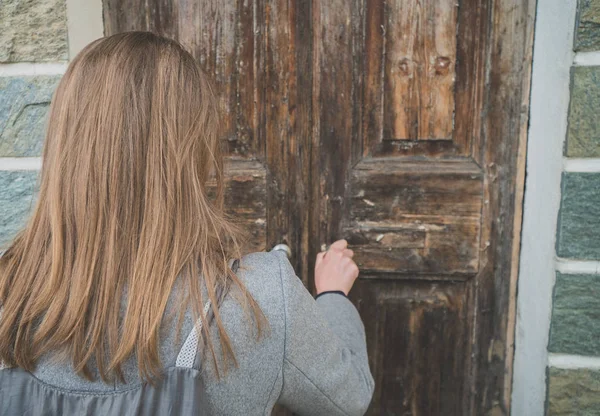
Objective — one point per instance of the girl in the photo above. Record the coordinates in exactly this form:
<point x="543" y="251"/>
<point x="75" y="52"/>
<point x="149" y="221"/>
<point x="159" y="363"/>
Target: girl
<point x="120" y="296"/>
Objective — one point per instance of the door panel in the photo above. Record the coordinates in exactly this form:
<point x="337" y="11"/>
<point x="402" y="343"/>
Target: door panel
<point x="423" y="76"/>
<point x="417" y="332"/>
<point x="399" y="125"/>
<point x="415" y="217"/>
<point x="419" y="40"/>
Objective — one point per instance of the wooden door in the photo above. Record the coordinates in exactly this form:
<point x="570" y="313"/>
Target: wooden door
<point x="399" y="125"/>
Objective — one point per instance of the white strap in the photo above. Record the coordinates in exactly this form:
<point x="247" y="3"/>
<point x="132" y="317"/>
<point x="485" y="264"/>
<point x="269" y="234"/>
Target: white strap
<point x="187" y="354"/>
<point x="2" y="365"/>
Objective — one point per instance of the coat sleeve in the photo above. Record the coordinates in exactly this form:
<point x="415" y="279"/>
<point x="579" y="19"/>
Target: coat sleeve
<point x="325" y="365"/>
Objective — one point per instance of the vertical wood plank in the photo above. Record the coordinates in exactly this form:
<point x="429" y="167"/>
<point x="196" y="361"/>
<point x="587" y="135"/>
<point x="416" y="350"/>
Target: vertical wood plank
<point x="374" y="56"/>
<point x="279" y="99"/>
<point x="156" y="16"/>
<point x="288" y="112"/>
<point x="119" y="18"/>
<point x="470" y="88"/>
<point x="420" y="44"/>
<point x="228" y="58"/>
<point x="336" y="95"/>
<point x="503" y="125"/>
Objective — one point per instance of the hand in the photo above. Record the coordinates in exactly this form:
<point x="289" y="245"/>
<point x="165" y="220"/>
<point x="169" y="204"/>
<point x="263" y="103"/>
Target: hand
<point x="335" y="269"/>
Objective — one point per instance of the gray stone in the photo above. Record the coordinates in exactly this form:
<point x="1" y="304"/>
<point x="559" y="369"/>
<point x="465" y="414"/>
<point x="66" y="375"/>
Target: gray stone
<point x="33" y="30"/>
<point x="17" y="191"/>
<point x="24" y="102"/>
<point x="583" y="133"/>
<point x="575" y="327"/>
<point x="579" y="218"/>
<point x="573" y="392"/>
<point x="587" y="33"/>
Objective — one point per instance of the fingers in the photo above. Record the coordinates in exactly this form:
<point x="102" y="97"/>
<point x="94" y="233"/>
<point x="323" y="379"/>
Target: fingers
<point x="339" y="245"/>
<point x="352" y="269"/>
<point x="335" y="269"/>
<point x="320" y="258"/>
<point x="339" y="248"/>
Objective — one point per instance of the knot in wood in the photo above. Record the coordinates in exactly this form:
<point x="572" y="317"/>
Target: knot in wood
<point x="442" y="65"/>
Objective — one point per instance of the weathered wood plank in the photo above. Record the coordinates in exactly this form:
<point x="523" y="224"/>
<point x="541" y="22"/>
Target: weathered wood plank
<point x="420" y="56"/>
<point x="335" y="99"/>
<point x="415" y="217"/>
<point x="288" y="109"/>
<point x="416" y="333"/>
<point x="390" y="191"/>
<point x="503" y="132"/>
<point x="470" y="87"/>
<point x="464" y="87"/>
<point x="372" y="120"/>
<point x="245" y="200"/>
<point x="427" y="248"/>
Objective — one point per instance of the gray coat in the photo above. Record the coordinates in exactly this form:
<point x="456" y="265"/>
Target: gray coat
<point x="313" y="361"/>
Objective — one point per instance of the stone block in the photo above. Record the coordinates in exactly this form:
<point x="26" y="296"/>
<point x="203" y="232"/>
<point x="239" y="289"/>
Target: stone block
<point x="587" y="32"/>
<point x="583" y="133"/>
<point x="575" y="327"/>
<point x="579" y="218"/>
<point x="17" y="193"/>
<point x="573" y="392"/>
<point x="24" y="103"/>
<point x="33" y="31"/>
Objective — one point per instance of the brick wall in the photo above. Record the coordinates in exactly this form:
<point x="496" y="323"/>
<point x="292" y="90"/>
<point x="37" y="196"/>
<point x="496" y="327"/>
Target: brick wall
<point x="33" y="55"/>
<point x="574" y="342"/>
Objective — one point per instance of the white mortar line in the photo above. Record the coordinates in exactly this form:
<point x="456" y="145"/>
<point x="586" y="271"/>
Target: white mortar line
<point x="20" y="163"/>
<point x="566" y="266"/>
<point x="581" y="165"/>
<point x="567" y="361"/>
<point x="28" y="68"/>
<point x="587" y="59"/>
<point x="84" y="23"/>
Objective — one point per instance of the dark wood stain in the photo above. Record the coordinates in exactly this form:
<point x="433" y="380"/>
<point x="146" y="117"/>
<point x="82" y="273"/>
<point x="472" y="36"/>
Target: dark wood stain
<point x="397" y="125"/>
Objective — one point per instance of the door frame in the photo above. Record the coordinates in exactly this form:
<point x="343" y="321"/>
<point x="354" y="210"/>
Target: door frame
<point x="552" y="60"/>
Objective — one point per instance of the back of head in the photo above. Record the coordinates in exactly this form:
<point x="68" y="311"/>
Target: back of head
<point x="132" y="139"/>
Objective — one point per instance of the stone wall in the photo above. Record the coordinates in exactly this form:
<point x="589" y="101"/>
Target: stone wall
<point x="574" y="343"/>
<point x="33" y="40"/>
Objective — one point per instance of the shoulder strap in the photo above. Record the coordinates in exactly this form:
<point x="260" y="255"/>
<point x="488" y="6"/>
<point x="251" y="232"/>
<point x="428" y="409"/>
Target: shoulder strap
<point x="2" y="365"/>
<point x="187" y="354"/>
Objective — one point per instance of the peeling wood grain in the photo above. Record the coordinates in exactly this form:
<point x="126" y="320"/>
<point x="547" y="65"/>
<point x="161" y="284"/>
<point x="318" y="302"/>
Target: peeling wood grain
<point x="335" y="108"/>
<point x="420" y="46"/>
<point x="416" y="332"/>
<point x="245" y="197"/>
<point x="470" y="88"/>
<point x="510" y="45"/>
<point x="452" y="250"/>
<point x="287" y="128"/>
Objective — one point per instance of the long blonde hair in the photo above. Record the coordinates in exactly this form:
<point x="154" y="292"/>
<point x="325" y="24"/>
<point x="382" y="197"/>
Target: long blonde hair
<point x="132" y="139"/>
